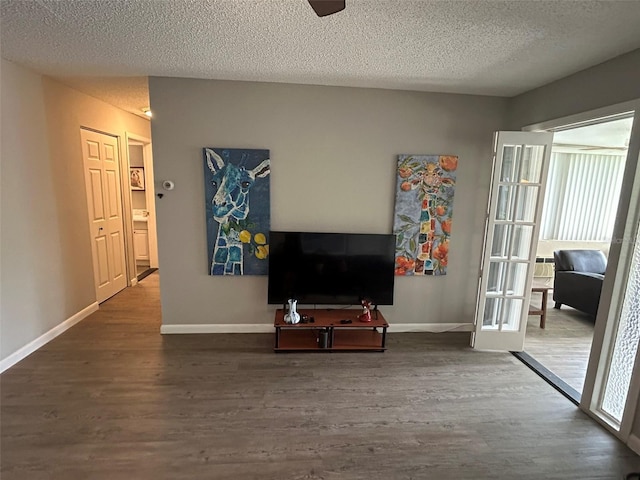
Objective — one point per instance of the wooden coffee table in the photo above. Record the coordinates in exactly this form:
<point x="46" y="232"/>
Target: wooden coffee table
<point x="544" y="290"/>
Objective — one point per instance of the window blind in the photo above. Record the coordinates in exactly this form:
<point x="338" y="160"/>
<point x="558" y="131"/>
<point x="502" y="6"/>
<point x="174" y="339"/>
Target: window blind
<point x="582" y="196"/>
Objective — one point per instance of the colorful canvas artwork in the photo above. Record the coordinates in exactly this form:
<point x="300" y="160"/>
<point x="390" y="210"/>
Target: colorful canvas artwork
<point x="422" y="219"/>
<point x="237" y="196"/>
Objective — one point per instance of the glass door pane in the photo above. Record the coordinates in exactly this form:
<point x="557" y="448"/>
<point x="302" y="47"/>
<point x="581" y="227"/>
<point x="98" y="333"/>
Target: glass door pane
<point x="492" y="311"/>
<point x="517" y="279"/>
<point x="532" y="162"/>
<point x="512" y="314"/>
<point x="497" y="277"/>
<point x="525" y="203"/>
<point x="510" y="163"/>
<point x="522" y="240"/>
<point x="626" y="343"/>
<point x="506" y="202"/>
<point x="501" y="239"/>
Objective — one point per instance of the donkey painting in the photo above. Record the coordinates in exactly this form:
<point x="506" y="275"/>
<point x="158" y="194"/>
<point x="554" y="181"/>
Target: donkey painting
<point x="228" y="184"/>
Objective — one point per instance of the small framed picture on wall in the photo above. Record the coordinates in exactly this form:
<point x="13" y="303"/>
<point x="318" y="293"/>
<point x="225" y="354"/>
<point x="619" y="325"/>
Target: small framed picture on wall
<point x="136" y="175"/>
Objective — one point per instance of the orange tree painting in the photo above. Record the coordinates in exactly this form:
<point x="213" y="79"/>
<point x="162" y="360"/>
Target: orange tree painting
<point x="422" y="219"/>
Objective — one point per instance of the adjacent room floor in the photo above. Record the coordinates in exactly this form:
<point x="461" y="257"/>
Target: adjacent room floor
<point x="564" y="345"/>
<point x="113" y="399"/>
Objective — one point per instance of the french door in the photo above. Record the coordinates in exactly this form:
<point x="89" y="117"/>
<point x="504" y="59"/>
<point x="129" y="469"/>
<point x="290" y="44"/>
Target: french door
<point x="520" y="165"/>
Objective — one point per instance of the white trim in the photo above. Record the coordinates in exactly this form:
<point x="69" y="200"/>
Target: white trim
<point x="138" y="139"/>
<point x="579" y="119"/>
<point x="127" y="203"/>
<point x="217" y="328"/>
<point x="268" y="328"/>
<point x="46" y="337"/>
<point x="134" y="281"/>
<point x="634" y="443"/>
<point x="430" y="327"/>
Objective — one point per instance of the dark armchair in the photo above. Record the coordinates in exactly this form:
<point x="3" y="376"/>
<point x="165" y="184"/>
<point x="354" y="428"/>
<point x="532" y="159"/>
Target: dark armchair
<point x="578" y="279"/>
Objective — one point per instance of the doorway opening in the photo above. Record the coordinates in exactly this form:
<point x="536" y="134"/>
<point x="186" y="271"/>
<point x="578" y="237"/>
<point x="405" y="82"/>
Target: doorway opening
<point x="580" y="205"/>
<point x="142" y="207"/>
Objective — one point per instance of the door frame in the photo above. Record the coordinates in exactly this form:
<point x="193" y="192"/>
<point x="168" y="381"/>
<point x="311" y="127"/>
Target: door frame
<point x="147" y="155"/>
<point x="616" y="272"/>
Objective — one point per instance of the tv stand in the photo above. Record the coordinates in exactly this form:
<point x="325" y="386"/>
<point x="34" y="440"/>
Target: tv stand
<point x="355" y="336"/>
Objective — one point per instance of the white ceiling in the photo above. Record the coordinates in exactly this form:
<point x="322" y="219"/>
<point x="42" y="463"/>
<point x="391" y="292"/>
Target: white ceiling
<point x="467" y="46"/>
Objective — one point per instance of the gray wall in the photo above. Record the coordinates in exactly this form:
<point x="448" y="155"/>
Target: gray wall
<point x="609" y="83"/>
<point x="47" y="272"/>
<point x="333" y="153"/>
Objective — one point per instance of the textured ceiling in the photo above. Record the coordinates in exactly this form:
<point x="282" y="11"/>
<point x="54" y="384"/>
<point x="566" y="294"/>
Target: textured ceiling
<point x="129" y="93"/>
<point x="471" y="46"/>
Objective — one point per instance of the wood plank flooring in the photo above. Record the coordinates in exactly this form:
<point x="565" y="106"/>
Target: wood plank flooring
<point x="564" y="345"/>
<point x="113" y="399"/>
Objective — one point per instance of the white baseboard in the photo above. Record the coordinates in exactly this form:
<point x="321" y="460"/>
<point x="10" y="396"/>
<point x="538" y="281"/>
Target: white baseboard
<point x="218" y="328"/>
<point x="430" y="327"/>
<point x="268" y="328"/>
<point x="46" y="337"/>
<point x="634" y="443"/>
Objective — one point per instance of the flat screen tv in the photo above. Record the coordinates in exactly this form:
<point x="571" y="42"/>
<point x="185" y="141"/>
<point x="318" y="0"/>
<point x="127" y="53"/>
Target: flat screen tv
<point x="331" y="268"/>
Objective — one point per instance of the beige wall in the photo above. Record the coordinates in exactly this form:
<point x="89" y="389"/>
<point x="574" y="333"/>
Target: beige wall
<point x="47" y="273"/>
<point x="28" y="214"/>
<point x="333" y="154"/>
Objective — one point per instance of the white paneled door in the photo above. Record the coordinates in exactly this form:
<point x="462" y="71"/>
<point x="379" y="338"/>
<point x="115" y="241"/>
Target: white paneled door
<point x="104" y="199"/>
<point x="520" y="165"/>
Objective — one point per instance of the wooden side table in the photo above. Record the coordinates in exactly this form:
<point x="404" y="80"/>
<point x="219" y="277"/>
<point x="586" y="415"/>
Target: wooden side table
<point x="543" y="308"/>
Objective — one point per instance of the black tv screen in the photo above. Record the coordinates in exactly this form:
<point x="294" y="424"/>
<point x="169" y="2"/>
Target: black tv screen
<point x="331" y="268"/>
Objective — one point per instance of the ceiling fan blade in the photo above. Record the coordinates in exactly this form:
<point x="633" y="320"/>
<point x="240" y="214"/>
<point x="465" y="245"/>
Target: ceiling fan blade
<point x="326" y="7"/>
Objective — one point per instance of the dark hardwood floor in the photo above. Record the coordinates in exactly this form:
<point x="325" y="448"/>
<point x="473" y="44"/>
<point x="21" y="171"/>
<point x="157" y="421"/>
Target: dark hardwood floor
<point x="113" y="399"/>
<point x="563" y="346"/>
